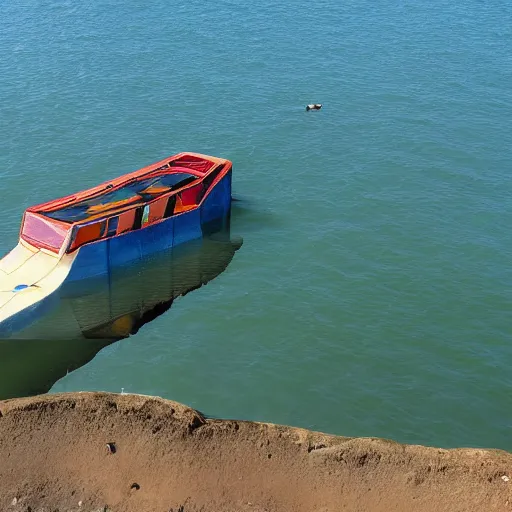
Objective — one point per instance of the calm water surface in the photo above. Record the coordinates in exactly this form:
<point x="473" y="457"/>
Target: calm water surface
<point x="373" y="292"/>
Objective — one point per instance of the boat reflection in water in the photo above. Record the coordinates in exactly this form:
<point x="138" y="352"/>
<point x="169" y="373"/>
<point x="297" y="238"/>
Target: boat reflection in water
<point x="97" y="313"/>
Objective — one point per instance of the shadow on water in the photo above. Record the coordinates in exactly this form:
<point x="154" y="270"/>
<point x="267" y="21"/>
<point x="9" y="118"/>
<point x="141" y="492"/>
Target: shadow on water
<point x="31" y="367"/>
<point x="108" y="312"/>
<point x="250" y="217"/>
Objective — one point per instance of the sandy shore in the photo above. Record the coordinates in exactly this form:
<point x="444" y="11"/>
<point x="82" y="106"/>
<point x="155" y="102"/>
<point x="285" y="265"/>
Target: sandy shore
<point x="164" y="456"/>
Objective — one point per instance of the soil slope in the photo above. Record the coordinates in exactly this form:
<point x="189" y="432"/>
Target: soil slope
<point x="164" y="456"/>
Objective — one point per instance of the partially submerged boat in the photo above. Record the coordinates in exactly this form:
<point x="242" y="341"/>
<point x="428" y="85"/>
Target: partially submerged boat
<point x="71" y="246"/>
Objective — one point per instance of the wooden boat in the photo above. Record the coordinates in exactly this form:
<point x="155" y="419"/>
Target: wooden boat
<point x="74" y="243"/>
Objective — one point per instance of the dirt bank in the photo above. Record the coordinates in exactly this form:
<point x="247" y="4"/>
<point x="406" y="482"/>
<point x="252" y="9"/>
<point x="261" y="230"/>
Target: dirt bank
<point x="166" y="457"/>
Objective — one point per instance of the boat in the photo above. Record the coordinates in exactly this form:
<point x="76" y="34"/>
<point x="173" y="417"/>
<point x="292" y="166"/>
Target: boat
<point x="72" y="246"/>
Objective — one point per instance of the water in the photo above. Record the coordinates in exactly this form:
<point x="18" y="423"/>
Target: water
<point x="373" y="291"/>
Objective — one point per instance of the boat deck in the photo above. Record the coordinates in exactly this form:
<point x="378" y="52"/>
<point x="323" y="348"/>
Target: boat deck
<point x="23" y="268"/>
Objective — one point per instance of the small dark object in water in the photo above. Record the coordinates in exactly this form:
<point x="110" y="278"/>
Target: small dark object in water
<point x="313" y="106"/>
<point x="111" y="448"/>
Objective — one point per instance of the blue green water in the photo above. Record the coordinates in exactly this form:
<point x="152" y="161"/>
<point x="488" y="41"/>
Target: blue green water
<point x="373" y="292"/>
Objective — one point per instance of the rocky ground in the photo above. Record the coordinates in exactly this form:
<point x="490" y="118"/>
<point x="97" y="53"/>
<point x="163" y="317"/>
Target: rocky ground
<point x="131" y="453"/>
